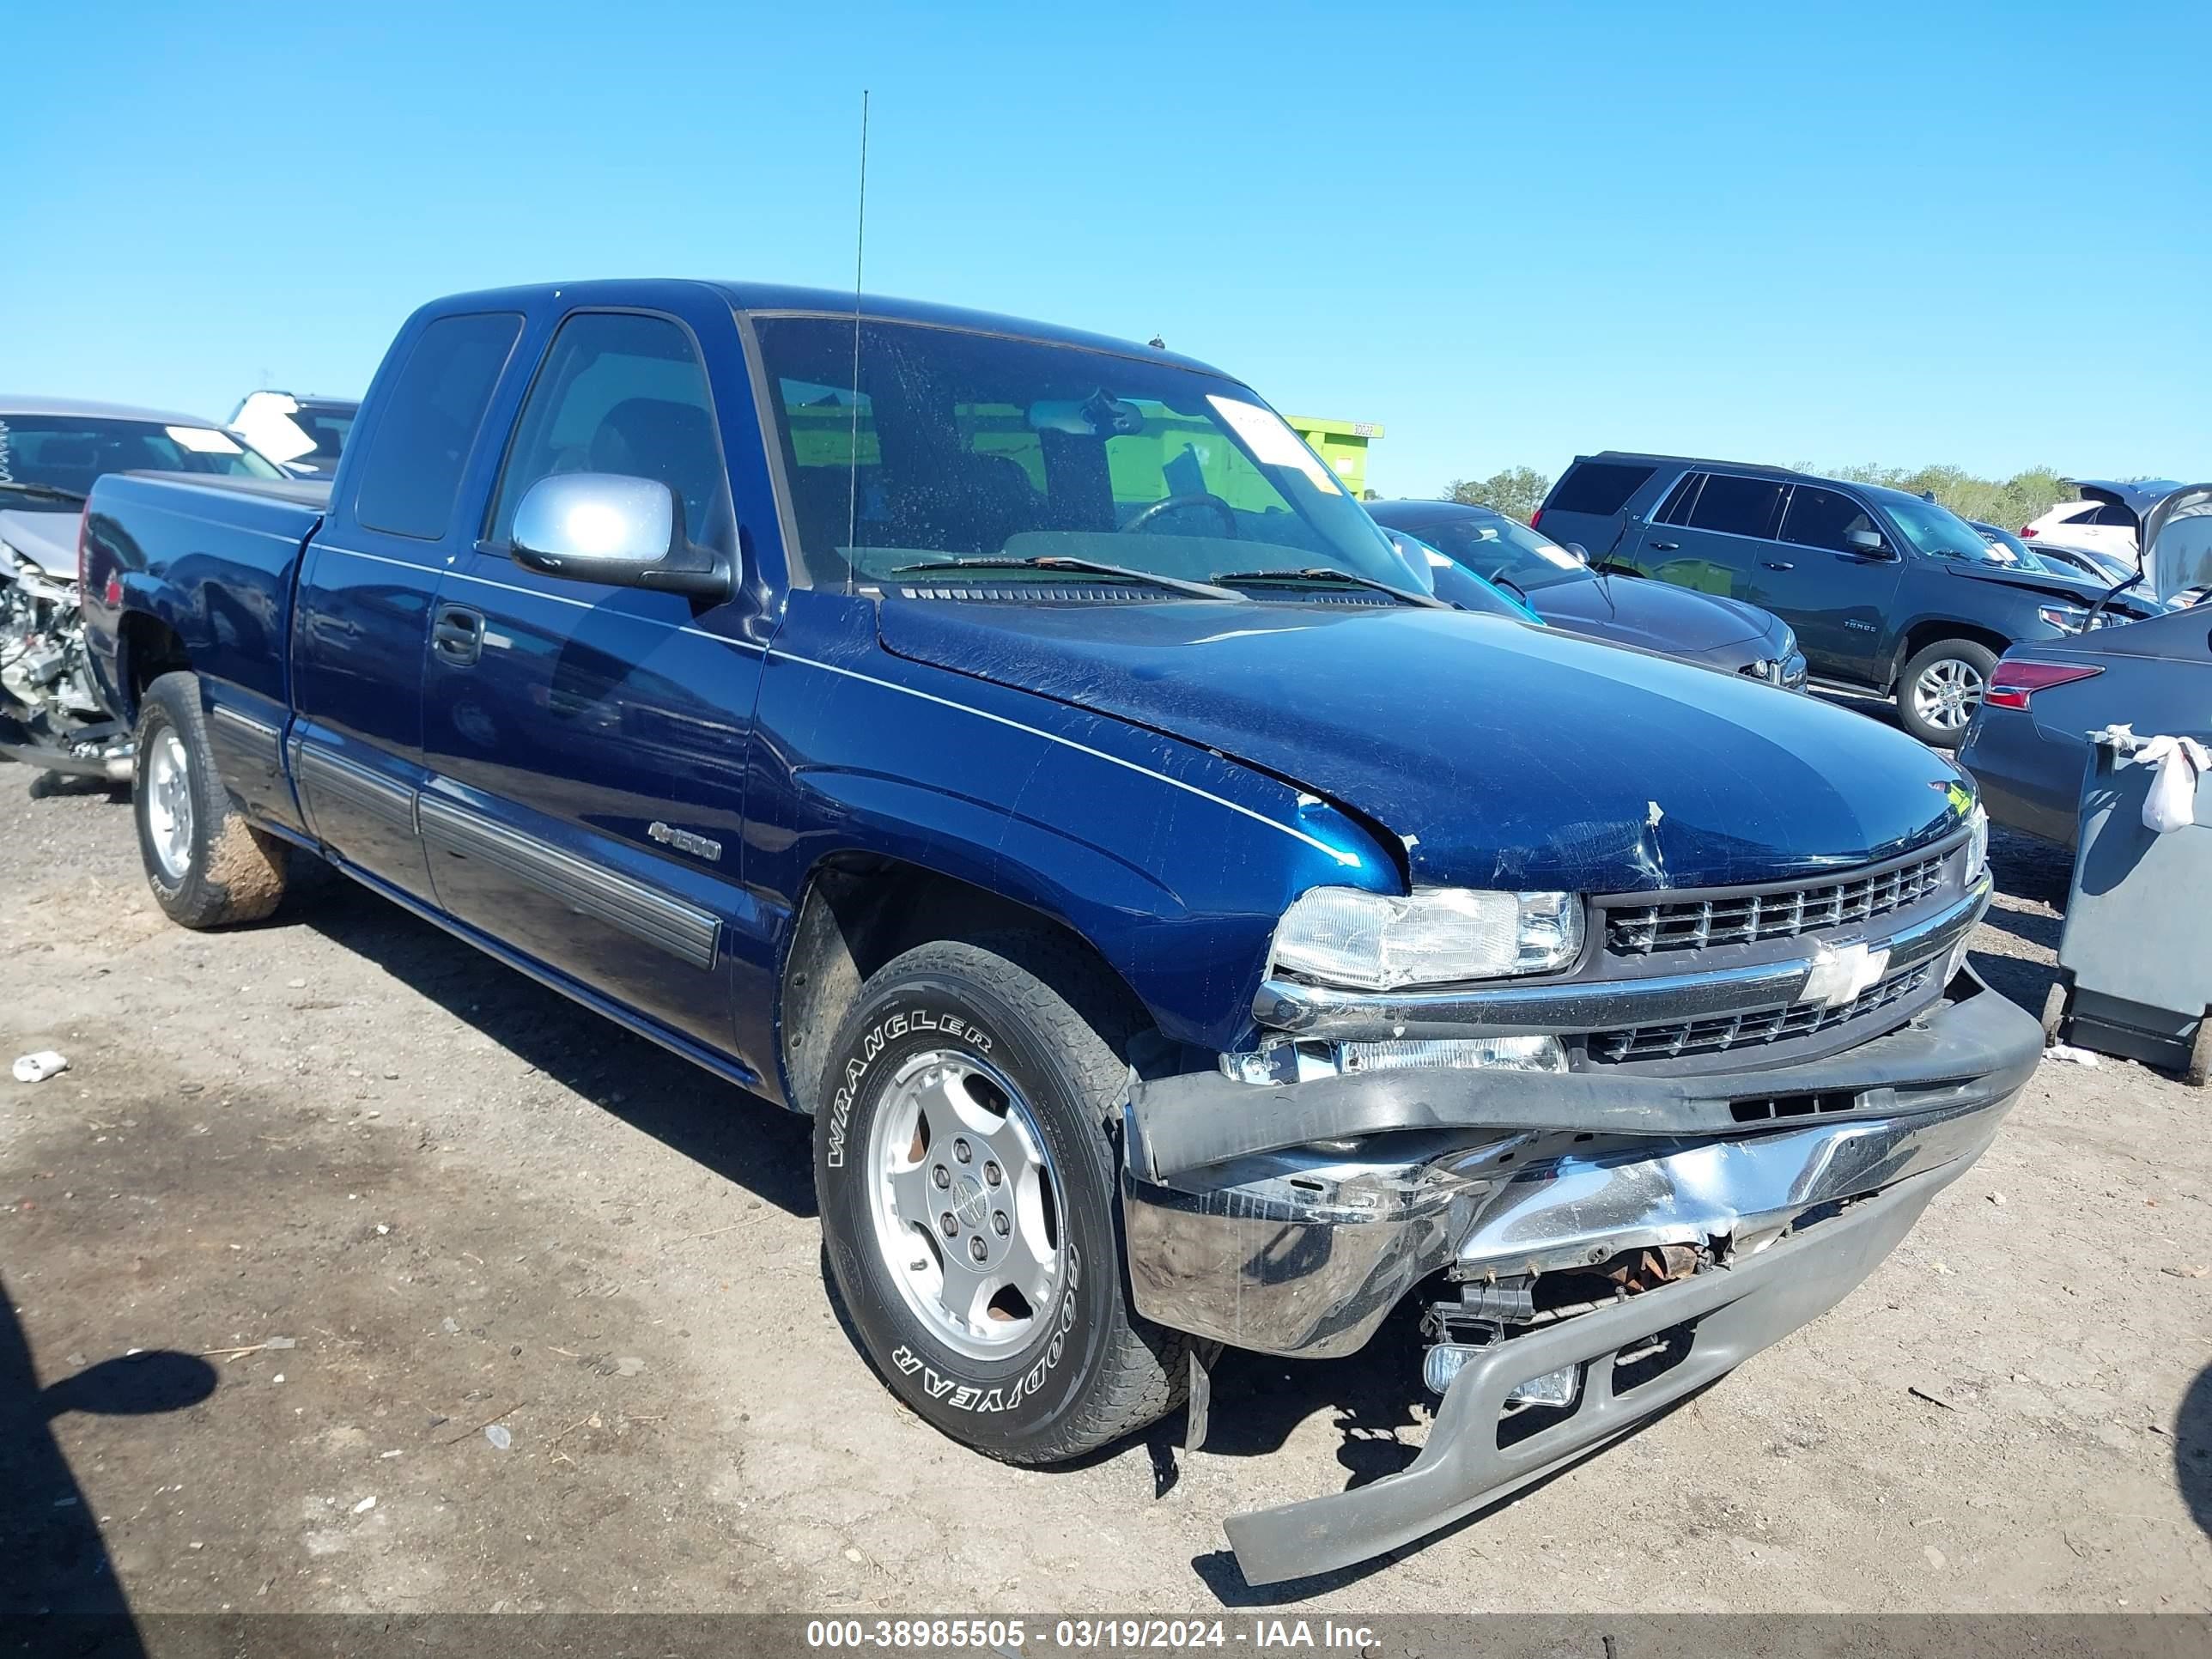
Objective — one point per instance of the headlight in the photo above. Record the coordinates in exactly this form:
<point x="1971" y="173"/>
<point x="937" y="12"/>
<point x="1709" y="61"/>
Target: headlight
<point x="1978" y="843"/>
<point x="1377" y="941"/>
<point x="2066" y="618"/>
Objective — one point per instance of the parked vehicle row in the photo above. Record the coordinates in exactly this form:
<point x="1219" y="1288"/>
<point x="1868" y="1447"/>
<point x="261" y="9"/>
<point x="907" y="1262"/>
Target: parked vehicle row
<point x="1560" y="585"/>
<point x="1887" y="592"/>
<point x="2106" y="519"/>
<point x="1015" y="750"/>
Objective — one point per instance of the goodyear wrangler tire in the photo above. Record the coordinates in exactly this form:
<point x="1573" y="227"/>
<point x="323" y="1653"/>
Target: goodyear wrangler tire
<point x="967" y="1191"/>
<point x="207" y="865"/>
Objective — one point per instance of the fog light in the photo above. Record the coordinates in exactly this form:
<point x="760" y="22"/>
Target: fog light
<point x="1442" y="1364"/>
<point x="1551" y="1388"/>
<point x="1510" y="1054"/>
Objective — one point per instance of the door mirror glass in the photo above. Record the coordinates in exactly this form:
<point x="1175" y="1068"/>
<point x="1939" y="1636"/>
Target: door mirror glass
<point x="1865" y="541"/>
<point x="608" y="527"/>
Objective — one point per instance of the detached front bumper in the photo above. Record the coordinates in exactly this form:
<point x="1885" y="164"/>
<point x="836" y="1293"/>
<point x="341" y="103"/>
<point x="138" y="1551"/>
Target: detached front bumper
<point x="1711" y="1323"/>
<point x="1291" y="1220"/>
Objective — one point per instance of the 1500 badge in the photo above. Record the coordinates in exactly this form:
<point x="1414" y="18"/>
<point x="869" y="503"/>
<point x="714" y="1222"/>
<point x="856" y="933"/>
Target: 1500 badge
<point x="684" y="841"/>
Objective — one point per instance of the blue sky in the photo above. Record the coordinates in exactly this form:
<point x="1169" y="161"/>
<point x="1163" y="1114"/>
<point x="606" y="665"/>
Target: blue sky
<point x="1902" y="234"/>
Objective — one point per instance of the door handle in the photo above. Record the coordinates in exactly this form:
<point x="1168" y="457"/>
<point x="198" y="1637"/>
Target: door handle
<point x="1778" y="564"/>
<point x="457" y="633"/>
<point x="1665" y="547"/>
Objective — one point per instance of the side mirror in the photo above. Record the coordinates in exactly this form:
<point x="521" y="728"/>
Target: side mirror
<point x="1578" y="550"/>
<point x="624" y="531"/>
<point x="1869" y="542"/>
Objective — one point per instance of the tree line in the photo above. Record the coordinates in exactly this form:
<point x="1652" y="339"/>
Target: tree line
<point x="1518" y="491"/>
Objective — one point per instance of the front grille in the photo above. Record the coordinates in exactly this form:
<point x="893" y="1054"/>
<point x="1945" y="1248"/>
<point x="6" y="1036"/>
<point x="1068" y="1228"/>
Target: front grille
<point x="1719" y="1034"/>
<point x="1745" y="918"/>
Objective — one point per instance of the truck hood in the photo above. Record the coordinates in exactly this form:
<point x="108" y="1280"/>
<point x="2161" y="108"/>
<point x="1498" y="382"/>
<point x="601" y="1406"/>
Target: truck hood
<point x="1658" y="616"/>
<point x="1500" y="755"/>
<point x="46" y="540"/>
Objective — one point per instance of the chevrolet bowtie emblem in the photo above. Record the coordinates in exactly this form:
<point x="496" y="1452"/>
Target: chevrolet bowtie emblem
<point x="1841" y="974"/>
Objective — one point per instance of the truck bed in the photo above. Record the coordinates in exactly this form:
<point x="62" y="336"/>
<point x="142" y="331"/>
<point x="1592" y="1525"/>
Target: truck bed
<point x="223" y="555"/>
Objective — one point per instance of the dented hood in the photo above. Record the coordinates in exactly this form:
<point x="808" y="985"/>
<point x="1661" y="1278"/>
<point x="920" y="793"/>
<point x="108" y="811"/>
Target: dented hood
<point x="1502" y="755"/>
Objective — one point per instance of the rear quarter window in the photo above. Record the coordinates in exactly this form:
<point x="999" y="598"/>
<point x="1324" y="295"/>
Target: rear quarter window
<point x="1598" y="487"/>
<point x="411" y="472"/>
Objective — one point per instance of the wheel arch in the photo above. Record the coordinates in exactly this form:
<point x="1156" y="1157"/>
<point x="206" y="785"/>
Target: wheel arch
<point x="1930" y="629"/>
<point x="146" y="647"/>
<point x="857" y="911"/>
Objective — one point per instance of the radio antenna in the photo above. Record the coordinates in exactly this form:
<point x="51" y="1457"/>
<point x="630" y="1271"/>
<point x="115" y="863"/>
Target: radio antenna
<point x="853" y="456"/>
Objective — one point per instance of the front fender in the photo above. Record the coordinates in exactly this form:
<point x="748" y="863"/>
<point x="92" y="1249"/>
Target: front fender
<point x="1174" y="862"/>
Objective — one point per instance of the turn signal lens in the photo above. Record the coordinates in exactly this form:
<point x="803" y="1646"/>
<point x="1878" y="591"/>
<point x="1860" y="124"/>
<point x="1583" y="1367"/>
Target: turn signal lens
<point x="2014" y="682"/>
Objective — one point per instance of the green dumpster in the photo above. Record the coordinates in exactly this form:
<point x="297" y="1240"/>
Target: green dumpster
<point x="1342" y="444"/>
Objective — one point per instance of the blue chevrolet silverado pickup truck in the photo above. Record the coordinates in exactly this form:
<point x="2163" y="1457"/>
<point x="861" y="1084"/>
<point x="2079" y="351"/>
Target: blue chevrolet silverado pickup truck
<point x="1014" y="748"/>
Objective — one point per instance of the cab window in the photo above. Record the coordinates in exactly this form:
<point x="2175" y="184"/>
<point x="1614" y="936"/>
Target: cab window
<point x="1823" y="518"/>
<point x="623" y="394"/>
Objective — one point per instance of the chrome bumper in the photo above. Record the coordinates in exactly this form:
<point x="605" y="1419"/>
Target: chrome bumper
<point x="1282" y="1247"/>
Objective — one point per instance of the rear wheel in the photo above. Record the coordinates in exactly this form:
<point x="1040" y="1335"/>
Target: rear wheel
<point x="207" y="865"/>
<point x="1940" y="689"/>
<point x="967" y="1190"/>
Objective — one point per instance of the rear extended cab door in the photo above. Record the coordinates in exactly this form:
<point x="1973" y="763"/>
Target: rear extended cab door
<point x="585" y="745"/>
<point x="361" y="627"/>
<point x="1708" y="534"/>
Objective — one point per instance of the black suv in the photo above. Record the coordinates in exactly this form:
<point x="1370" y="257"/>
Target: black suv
<point x="1888" y="593"/>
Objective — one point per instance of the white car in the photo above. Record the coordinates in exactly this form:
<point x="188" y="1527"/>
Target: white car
<point x="302" y="434"/>
<point x="2105" y="518"/>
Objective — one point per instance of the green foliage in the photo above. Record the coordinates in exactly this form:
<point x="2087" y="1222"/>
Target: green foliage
<point x="1516" y="492"/>
<point x="2008" y="503"/>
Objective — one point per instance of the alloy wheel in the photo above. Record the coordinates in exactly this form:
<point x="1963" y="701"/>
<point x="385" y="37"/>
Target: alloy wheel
<point x="1947" y="693"/>
<point x="967" y="1208"/>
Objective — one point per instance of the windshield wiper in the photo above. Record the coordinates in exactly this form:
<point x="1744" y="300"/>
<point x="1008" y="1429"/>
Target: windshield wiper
<point x="1054" y="562"/>
<point x="1329" y="574"/>
<point x="45" y="492"/>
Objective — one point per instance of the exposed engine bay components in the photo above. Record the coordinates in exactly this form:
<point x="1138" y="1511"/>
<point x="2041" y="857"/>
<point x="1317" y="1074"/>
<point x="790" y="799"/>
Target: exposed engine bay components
<point x="50" y="716"/>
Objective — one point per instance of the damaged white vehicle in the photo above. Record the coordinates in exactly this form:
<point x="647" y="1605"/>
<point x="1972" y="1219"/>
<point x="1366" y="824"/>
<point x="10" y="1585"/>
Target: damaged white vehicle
<point x="50" y="451"/>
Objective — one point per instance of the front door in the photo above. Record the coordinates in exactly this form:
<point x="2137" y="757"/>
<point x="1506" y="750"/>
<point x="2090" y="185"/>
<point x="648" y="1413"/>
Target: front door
<point x="587" y="743"/>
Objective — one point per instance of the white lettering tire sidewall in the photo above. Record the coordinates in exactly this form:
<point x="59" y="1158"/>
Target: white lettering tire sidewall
<point x="995" y="1405"/>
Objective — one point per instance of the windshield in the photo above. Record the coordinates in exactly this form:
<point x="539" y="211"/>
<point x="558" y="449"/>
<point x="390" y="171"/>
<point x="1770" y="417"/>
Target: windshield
<point x="973" y="445"/>
<point x="68" y="452"/>
<point x="2006" y="548"/>
<point x="1453" y="583"/>
<point x="1938" y="531"/>
<point x="1498" y="549"/>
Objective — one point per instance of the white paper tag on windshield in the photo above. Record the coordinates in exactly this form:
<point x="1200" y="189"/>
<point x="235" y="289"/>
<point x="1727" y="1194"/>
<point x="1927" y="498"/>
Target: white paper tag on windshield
<point x="1272" y="441"/>
<point x="204" y="439"/>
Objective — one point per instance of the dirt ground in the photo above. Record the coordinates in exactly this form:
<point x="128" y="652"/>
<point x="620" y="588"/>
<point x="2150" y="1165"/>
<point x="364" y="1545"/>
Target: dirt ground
<point x="489" y="1305"/>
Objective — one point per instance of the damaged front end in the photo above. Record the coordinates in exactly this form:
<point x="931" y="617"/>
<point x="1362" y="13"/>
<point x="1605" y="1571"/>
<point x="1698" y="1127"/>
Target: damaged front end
<point x="1592" y="1240"/>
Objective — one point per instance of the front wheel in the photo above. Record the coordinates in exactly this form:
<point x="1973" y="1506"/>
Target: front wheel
<point x="967" y="1187"/>
<point x="207" y="865"/>
<point x="1940" y="689"/>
